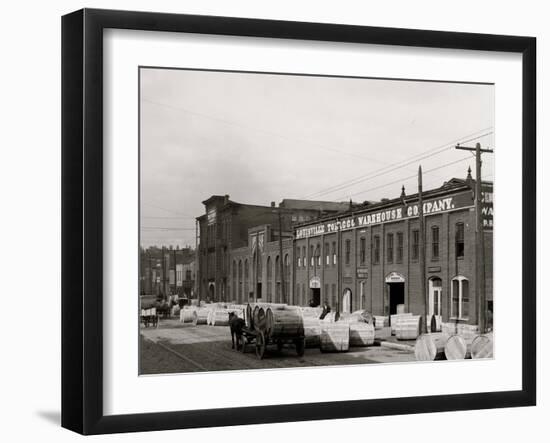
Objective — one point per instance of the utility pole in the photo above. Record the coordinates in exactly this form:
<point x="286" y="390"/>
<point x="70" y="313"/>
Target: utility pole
<point x="150" y="272"/>
<point x="175" y="273"/>
<point x="197" y="263"/>
<point x="283" y="291"/>
<point x="163" y="268"/>
<point x="480" y="243"/>
<point x="422" y="252"/>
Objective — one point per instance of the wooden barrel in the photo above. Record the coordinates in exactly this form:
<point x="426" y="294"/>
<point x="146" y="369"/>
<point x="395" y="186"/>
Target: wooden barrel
<point x="200" y="316"/>
<point x="482" y="346"/>
<point x="258" y="317"/>
<point x="361" y="334"/>
<point x="381" y="321"/>
<point x="312" y="332"/>
<point x="186" y="315"/>
<point x="334" y="336"/>
<point x="456" y="348"/>
<point x="283" y="323"/>
<point x="408" y="327"/>
<point x="429" y="347"/>
<point x="395" y="318"/>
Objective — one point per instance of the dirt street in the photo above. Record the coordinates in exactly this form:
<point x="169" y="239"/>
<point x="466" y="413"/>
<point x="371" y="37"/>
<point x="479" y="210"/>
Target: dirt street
<point x="176" y="347"/>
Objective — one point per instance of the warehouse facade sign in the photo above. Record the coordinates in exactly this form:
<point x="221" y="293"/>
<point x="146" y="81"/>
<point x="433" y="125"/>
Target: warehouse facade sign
<point x="458" y="201"/>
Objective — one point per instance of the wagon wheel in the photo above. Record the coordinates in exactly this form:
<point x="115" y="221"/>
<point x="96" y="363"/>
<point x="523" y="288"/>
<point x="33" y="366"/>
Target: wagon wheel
<point x="300" y="346"/>
<point x="260" y="345"/>
<point x="279" y="345"/>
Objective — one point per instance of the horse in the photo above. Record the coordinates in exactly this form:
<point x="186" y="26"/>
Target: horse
<point x="236" y="326"/>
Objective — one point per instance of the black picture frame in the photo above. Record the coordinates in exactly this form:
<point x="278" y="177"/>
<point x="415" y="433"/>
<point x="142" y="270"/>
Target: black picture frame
<point x="82" y="218"/>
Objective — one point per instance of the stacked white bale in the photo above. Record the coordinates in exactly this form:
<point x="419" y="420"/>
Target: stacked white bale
<point x="407" y="327"/>
<point x="330" y="317"/>
<point x="358" y="316"/>
<point x="312" y="332"/>
<point x="220" y="317"/>
<point x="482" y="346"/>
<point x="381" y="321"/>
<point x="395" y="318"/>
<point x="468" y="332"/>
<point x="309" y="312"/>
<point x="334" y="336"/>
<point x="186" y="314"/>
<point x="200" y="316"/>
<point x="361" y="334"/>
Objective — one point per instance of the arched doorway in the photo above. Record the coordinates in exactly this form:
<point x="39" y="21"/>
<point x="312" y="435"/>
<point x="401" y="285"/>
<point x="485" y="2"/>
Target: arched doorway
<point x="395" y="283"/>
<point x="435" y="289"/>
<point x="211" y="291"/>
<point x="346" y="301"/>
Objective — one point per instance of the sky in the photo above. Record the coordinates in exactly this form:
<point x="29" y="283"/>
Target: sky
<point x="265" y="137"/>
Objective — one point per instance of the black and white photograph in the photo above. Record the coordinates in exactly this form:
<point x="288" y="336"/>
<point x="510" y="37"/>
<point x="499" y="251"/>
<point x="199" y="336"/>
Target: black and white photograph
<point x="291" y="220"/>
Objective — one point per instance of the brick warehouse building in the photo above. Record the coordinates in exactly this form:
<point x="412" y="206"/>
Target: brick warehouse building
<point x="369" y="258"/>
<point x="225" y="227"/>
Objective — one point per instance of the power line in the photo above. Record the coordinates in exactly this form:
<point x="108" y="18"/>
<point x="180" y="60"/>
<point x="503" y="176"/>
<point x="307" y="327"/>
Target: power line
<point x="377" y="173"/>
<point x="408" y="178"/>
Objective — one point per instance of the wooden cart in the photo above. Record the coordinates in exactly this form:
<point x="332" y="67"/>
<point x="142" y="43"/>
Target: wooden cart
<point x="266" y="326"/>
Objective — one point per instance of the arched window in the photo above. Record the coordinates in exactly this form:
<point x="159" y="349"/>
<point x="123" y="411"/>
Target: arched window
<point x="246" y="280"/>
<point x="269" y="270"/>
<point x="277" y="279"/>
<point x="240" y="295"/>
<point x="259" y="268"/>
<point x="277" y="269"/>
<point x="460" y="298"/>
<point x="287" y="278"/>
<point x="234" y="282"/>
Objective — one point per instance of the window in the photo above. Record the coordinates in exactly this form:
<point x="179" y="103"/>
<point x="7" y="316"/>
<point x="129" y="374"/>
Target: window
<point x="348" y="251"/>
<point x="459" y="240"/>
<point x="304" y="258"/>
<point x="311" y="257"/>
<point x="318" y="254"/>
<point x="298" y="256"/>
<point x="376" y="250"/>
<point x="399" y="258"/>
<point x="415" y="243"/>
<point x="460" y="298"/>
<point x="241" y="280"/>
<point x="334" y="253"/>
<point x="362" y="250"/>
<point x="327" y="253"/>
<point x="390" y="248"/>
<point x="259" y="268"/>
<point x="235" y="278"/>
<point x="277" y="269"/>
<point x="246" y="284"/>
<point x="435" y="242"/>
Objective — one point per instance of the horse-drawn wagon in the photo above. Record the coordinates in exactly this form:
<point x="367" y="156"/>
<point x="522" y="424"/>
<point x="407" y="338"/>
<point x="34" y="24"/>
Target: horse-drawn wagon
<point x="273" y="324"/>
